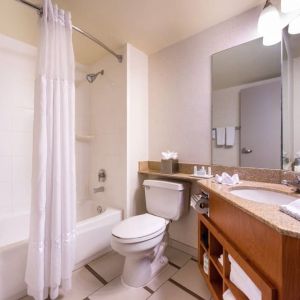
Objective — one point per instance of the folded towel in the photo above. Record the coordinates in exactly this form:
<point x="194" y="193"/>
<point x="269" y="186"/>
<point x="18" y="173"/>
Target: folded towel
<point x="220" y="136"/>
<point x="292" y="209"/>
<point x="169" y="155"/>
<point x="243" y="281"/>
<point x="220" y="259"/>
<point x="228" y="295"/>
<point x="230" y="136"/>
<point x="225" y="178"/>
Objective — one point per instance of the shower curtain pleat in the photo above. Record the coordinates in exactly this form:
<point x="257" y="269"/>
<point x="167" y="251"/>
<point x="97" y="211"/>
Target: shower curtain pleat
<point x="50" y="258"/>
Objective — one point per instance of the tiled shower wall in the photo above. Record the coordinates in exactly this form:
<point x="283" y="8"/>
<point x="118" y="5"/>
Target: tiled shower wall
<point x="102" y="112"/>
<point x="108" y="126"/>
<point x="17" y="61"/>
<point x="83" y="128"/>
<point x="17" y="73"/>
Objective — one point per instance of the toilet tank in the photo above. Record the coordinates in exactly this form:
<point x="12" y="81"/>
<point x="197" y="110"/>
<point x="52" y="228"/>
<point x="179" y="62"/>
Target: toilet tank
<point x="167" y="199"/>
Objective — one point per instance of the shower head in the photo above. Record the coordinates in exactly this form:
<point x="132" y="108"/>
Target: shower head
<point x="91" y="77"/>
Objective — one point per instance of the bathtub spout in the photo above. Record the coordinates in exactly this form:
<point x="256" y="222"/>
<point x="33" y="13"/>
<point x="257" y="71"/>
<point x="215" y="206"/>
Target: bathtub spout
<point x="99" y="189"/>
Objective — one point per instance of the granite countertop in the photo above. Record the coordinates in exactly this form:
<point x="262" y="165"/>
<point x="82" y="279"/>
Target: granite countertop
<point x="266" y="213"/>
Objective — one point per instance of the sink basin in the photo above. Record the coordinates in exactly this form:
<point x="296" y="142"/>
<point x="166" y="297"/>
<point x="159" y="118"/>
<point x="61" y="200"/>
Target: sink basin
<point x="263" y="196"/>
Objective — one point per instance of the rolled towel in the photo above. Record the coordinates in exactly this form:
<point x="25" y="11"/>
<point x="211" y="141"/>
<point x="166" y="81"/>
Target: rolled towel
<point x="220" y="259"/>
<point x="243" y="281"/>
<point x="225" y="178"/>
<point x="228" y="295"/>
<point x="292" y="209"/>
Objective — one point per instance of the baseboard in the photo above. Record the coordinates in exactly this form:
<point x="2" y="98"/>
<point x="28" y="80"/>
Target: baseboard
<point x="184" y="248"/>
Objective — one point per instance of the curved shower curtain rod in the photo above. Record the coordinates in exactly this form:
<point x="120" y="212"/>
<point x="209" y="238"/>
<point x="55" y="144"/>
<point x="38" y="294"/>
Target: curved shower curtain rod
<point x="86" y="34"/>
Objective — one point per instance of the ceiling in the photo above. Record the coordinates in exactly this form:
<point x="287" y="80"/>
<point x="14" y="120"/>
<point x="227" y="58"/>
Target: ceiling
<point x="149" y="25"/>
<point x="246" y="63"/>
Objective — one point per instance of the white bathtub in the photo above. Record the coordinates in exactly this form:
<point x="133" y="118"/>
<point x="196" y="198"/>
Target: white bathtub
<point x="93" y="239"/>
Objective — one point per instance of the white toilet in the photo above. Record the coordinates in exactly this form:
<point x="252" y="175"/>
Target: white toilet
<point x="143" y="239"/>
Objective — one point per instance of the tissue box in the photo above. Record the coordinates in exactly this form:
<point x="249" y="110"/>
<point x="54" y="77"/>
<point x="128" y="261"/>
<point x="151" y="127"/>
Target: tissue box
<point x="169" y="166"/>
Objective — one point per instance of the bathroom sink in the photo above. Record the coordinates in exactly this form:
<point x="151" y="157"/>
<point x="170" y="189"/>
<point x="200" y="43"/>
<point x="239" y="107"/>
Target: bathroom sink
<point x="263" y="196"/>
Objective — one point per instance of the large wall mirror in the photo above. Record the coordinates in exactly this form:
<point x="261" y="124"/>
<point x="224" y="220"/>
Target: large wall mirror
<point x="256" y="104"/>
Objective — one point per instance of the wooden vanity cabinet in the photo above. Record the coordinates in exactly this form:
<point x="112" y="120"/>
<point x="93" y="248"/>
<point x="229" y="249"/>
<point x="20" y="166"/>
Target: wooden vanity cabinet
<point x="270" y="258"/>
<point x="213" y="243"/>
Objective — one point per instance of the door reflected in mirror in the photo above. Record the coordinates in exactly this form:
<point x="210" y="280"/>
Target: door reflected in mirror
<point x="291" y="101"/>
<point x="246" y="106"/>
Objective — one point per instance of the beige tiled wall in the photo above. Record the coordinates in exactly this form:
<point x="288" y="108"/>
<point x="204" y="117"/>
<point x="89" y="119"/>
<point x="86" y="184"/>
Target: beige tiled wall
<point x="17" y="76"/>
<point x="108" y="125"/>
<point x="83" y="127"/>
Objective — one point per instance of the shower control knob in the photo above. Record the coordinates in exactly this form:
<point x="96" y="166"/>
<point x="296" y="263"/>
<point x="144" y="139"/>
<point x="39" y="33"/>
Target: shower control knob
<point x="101" y="175"/>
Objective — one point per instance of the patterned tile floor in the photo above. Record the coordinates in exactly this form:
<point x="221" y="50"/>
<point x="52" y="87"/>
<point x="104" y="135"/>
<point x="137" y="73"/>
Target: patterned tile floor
<point x="100" y="280"/>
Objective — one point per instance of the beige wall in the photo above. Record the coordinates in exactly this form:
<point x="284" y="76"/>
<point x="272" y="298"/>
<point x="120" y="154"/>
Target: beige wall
<point x="137" y="126"/>
<point x="180" y="89"/>
<point x="180" y="98"/>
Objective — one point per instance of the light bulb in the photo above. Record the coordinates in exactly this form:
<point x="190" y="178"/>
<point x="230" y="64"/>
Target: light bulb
<point x="272" y="38"/>
<point x="269" y="20"/>
<point x="294" y="26"/>
<point x="289" y="5"/>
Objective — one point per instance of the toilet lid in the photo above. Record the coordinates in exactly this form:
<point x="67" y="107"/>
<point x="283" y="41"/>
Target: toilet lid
<point x="139" y="226"/>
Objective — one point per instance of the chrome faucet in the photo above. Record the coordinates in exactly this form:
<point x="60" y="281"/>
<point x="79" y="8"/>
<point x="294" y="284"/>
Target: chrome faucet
<point x="295" y="183"/>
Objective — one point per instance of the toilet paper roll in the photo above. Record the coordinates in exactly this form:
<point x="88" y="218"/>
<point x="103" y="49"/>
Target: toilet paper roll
<point x="200" y="206"/>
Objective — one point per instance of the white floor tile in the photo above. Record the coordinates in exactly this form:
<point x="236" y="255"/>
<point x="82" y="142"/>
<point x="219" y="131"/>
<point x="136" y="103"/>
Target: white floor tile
<point x="190" y="277"/>
<point x="108" y="266"/>
<point x="177" y="257"/>
<point x="162" y="277"/>
<point x="84" y="284"/>
<point x="115" y="290"/>
<point x="169" y="291"/>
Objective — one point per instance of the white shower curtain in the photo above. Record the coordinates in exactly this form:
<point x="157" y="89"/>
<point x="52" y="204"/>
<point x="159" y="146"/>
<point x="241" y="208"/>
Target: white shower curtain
<point x="50" y="258"/>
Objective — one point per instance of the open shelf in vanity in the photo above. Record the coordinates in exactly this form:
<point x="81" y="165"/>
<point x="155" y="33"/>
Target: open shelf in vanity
<point x="212" y="243"/>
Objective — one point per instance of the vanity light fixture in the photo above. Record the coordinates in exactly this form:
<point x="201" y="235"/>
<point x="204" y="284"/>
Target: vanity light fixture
<point x="269" y="24"/>
<point x="271" y="21"/>
<point x="288" y="6"/>
<point x="294" y="26"/>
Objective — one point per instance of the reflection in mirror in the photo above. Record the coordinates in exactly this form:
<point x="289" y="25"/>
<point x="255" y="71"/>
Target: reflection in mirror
<point x="246" y="106"/>
<point x="291" y="101"/>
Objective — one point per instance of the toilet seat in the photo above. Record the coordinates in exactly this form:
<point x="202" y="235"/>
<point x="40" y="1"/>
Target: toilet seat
<point x="139" y="228"/>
